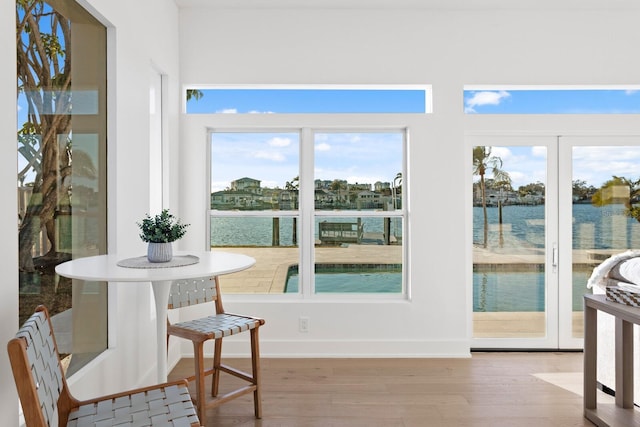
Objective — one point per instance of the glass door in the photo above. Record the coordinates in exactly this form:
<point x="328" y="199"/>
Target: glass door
<point x="546" y="211"/>
<point x="600" y="184"/>
<point x="515" y="245"/>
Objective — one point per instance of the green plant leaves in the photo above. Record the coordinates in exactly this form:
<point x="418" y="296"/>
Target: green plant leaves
<point x="162" y="228"/>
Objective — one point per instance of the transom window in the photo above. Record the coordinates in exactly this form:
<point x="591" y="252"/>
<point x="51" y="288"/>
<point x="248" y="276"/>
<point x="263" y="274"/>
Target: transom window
<point x="551" y="100"/>
<point x="315" y="100"/>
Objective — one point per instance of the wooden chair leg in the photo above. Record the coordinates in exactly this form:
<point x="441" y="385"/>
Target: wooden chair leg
<point x="255" y="367"/>
<point x="198" y="357"/>
<point x="217" y="358"/>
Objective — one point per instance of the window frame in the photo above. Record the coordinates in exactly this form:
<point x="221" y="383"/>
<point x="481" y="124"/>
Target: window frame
<point x="306" y="212"/>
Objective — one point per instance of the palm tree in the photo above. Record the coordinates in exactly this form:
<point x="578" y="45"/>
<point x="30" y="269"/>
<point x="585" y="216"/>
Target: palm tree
<point x="293" y="186"/>
<point x="338" y="185"/>
<point x="484" y="162"/>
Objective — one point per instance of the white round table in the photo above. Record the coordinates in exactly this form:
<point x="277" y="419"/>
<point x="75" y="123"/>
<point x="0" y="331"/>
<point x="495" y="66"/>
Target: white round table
<point x="106" y="268"/>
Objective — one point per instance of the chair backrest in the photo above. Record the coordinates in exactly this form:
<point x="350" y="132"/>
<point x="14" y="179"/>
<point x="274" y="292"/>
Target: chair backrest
<point x="37" y="370"/>
<point x="195" y="291"/>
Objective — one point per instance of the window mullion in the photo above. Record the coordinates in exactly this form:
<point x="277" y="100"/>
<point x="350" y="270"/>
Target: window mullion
<point x="307" y="210"/>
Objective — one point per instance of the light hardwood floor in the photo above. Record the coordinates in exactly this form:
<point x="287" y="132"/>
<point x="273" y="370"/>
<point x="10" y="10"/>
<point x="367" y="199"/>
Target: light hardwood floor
<point x="489" y="389"/>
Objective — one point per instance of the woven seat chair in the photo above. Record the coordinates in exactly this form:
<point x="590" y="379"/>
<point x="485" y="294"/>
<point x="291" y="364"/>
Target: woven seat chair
<point x="46" y="399"/>
<point x="215" y="327"/>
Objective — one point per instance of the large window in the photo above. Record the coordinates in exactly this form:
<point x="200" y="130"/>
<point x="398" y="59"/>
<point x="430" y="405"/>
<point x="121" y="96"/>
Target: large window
<point x="321" y="211"/>
<point x="61" y="154"/>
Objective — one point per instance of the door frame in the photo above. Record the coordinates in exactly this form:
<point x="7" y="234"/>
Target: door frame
<point x="555" y="126"/>
<point x="551" y="303"/>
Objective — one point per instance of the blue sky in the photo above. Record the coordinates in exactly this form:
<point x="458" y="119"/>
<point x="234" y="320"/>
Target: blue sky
<point x="283" y="101"/>
<point x="527" y="164"/>
<point x="553" y="101"/>
<point x="476" y="101"/>
<point x="274" y="158"/>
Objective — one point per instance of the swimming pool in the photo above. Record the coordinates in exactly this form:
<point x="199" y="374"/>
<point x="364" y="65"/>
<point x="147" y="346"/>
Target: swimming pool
<point x="520" y="288"/>
<point x="496" y="288"/>
<point x="351" y="278"/>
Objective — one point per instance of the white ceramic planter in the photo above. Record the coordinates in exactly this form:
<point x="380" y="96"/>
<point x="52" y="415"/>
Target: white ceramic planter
<point x="159" y="252"/>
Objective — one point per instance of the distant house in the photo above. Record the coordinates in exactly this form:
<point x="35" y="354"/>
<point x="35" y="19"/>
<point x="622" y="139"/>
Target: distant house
<point x="320" y="183"/>
<point x="369" y="200"/>
<point x="381" y="186"/>
<point x="249" y="185"/>
<point x="359" y="187"/>
<point x="232" y="199"/>
<point x="324" y="197"/>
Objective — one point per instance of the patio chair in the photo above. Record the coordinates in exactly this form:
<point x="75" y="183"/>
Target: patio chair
<point x="46" y="399"/>
<point x="215" y="327"/>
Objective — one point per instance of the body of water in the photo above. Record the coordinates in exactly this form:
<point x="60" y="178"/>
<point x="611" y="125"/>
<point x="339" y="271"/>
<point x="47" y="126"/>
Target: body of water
<point x="522" y="227"/>
<point x="258" y="231"/>
<point x="593" y="227"/>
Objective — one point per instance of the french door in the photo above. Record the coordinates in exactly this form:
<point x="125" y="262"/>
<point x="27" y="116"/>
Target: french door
<point x="546" y="211"/>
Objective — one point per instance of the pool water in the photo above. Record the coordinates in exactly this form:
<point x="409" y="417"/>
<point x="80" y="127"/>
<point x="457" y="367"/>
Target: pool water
<point x="520" y="291"/>
<point x="352" y="278"/>
<point x="495" y="288"/>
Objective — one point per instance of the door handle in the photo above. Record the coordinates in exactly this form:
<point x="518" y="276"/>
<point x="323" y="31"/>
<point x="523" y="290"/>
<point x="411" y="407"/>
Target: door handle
<point x="554" y="257"/>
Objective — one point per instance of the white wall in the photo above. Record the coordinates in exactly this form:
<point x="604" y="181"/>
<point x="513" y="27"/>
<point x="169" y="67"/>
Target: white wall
<point x="447" y="48"/>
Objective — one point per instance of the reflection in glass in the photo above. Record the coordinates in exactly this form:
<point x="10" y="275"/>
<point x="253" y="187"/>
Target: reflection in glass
<point x="62" y="168"/>
<point x="604" y="219"/>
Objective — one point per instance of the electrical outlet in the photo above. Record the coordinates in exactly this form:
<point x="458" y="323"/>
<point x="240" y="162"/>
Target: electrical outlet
<point x="303" y="324"/>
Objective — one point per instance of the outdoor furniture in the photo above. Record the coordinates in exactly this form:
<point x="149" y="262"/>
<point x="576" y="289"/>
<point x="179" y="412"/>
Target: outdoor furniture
<point x="47" y="401"/>
<point x="215" y="327"/>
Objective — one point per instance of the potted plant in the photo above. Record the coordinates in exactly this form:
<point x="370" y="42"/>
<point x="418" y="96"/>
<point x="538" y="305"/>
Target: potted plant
<point x="159" y="231"/>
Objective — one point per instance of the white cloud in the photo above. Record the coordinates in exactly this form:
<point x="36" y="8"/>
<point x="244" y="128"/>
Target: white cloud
<point x="630" y="91"/>
<point x="279" y="142"/>
<point x="235" y="111"/>
<point x="485" y="98"/>
<point x="538" y="151"/>
<point x="269" y="155"/>
<point x="503" y="153"/>
<point x="323" y="146"/>
<point x="219" y="185"/>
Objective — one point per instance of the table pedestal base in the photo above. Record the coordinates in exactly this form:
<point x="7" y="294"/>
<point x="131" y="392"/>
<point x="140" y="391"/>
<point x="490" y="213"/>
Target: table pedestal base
<point x="161" y="290"/>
